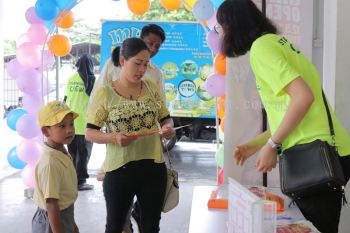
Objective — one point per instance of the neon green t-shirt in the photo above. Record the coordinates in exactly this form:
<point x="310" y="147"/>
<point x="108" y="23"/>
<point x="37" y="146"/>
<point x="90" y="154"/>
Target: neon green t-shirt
<point x="130" y="117"/>
<point x="275" y="63"/>
<point x="77" y="100"/>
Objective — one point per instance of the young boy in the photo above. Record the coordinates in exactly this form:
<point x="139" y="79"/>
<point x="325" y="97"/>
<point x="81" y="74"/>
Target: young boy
<point x="55" y="176"/>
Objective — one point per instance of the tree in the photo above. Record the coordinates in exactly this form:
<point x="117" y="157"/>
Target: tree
<point x="9" y="47"/>
<point x="158" y="13"/>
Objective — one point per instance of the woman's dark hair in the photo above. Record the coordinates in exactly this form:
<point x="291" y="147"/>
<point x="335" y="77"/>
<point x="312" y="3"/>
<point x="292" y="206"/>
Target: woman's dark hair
<point x="130" y="48"/>
<point x="153" y="28"/>
<point x="242" y="23"/>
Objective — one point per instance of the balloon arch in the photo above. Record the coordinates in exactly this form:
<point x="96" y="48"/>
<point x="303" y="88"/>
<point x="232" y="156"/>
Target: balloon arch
<point x="35" y="53"/>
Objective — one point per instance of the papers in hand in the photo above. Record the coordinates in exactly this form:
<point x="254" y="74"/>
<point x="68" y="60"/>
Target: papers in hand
<point x="154" y="132"/>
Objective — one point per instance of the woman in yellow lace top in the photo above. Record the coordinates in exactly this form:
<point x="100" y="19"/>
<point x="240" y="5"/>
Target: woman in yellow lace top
<point x="134" y="164"/>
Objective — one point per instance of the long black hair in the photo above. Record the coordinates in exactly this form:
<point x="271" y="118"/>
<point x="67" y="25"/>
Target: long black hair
<point x="242" y="23"/>
<point x="130" y="48"/>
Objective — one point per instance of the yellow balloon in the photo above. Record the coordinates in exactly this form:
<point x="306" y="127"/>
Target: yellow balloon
<point x="188" y="4"/>
<point x="171" y="4"/>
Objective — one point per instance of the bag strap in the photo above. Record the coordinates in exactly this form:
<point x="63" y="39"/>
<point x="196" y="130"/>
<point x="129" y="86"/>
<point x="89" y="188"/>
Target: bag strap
<point x="158" y="125"/>
<point x="330" y="122"/>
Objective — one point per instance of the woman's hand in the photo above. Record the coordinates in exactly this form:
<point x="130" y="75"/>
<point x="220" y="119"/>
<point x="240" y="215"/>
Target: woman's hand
<point x="122" y="140"/>
<point x="167" y="132"/>
<point x="267" y="159"/>
<point x="242" y="152"/>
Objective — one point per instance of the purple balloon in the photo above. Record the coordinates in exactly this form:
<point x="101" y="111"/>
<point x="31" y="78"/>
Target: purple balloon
<point x="213" y="41"/>
<point x="31" y="16"/>
<point x="27" y="126"/>
<point x="29" y="82"/>
<point x="28" y="176"/>
<point x="215" y="85"/>
<point x="15" y="69"/>
<point x="32" y="103"/>
<point x="29" y="150"/>
<point x="37" y="33"/>
<point x="48" y="61"/>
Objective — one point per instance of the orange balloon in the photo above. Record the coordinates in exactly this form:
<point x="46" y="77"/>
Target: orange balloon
<point x="221" y="106"/>
<point x="59" y="45"/>
<point x="138" y="7"/>
<point x="65" y="19"/>
<point x="221" y="102"/>
<point x="221" y="113"/>
<point x="171" y="4"/>
<point x="220" y="64"/>
<point x="222" y="124"/>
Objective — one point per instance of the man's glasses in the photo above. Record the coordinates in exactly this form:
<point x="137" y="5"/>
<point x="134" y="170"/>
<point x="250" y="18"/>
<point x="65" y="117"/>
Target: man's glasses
<point x="217" y="28"/>
<point x="150" y="43"/>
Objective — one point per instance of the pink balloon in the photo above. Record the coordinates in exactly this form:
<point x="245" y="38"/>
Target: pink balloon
<point x="221" y="176"/>
<point x="29" y="150"/>
<point x="29" y="55"/>
<point x="37" y="33"/>
<point x="212" y="21"/>
<point x="213" y="41"/>
<point x="215" y="85"/>
<point x="32" y="17"/>
<point x="15" y="69"/>
<point x="32" y="103"/>
<point x="29" y="82"/>
<point x="22" y="39"/>
<point x="28" y="176"/>
<point x="27" y="126"/>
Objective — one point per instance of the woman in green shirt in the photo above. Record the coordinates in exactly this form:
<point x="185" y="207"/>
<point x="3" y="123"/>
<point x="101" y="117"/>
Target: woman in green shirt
<point x="290" y="90"/>
<point x="131" y="109"/>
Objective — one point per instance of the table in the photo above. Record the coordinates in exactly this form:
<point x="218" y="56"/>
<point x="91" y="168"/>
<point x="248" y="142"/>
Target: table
<point x="204" y="220"/>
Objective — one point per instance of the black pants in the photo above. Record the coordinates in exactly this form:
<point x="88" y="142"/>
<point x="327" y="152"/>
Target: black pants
<point x="145" y="179"/>
<point x="324" y="210"/>
<point x="80" y="150"/>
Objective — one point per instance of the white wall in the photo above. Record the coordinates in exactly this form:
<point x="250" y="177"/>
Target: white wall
<point x="342" y="68"/>
<point x="1" y="61"/>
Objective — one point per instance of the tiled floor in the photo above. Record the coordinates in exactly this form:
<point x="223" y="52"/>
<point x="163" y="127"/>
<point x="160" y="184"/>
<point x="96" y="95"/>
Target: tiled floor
<point x="195" y="163"/>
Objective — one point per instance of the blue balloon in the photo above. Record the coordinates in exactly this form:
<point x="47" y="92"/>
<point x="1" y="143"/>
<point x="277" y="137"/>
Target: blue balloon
<point x="46" y="9"/>
<point x="66" y="4"/>
<point x="50" y="25"/>
<point x="13" y="116"/>
<point x="13" y="159"/>
<point x="217" y="3"/>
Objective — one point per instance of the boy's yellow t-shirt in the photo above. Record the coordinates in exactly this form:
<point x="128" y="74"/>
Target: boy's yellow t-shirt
<point x="275" y="63"/>
<point x="122" y="115"/>
<point x="56" y="178"/>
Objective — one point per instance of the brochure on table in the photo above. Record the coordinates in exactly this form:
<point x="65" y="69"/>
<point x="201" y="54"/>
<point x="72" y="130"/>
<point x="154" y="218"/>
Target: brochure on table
<point x="249" y="213"/>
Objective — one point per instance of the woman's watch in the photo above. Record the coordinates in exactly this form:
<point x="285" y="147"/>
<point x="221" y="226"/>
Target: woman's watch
<point x="275" y="146"/>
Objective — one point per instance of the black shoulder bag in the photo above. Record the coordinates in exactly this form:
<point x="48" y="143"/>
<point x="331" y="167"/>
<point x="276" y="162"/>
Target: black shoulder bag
<point x="308" y="169"/>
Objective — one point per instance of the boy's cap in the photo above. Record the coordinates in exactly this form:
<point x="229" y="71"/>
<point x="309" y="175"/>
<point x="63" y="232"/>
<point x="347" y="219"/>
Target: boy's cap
<point x="53" y="113"/>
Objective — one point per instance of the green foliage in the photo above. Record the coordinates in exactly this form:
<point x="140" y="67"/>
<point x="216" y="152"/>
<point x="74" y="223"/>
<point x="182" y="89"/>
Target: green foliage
<point x="158" y="13"/>
<point x="9" y="47"/>
<point x="81" y="32"/>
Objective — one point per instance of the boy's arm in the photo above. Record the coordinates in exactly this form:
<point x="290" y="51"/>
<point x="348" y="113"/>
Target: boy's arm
<point x="53" y="212"/>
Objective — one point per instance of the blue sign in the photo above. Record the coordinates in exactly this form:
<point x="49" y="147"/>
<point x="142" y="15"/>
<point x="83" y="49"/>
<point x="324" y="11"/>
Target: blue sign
<point x="184" y="59"/>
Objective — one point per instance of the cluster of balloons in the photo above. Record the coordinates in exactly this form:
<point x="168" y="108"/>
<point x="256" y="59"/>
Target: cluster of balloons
<point x="28" y="70"/>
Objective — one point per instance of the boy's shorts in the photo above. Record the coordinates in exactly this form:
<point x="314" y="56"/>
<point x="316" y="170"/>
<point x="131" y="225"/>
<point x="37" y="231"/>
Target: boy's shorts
<point x="41" y="224"/>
